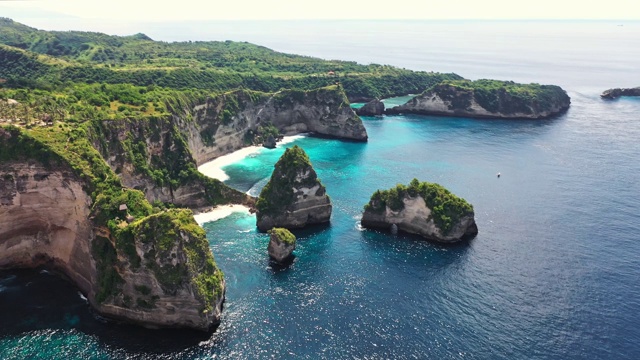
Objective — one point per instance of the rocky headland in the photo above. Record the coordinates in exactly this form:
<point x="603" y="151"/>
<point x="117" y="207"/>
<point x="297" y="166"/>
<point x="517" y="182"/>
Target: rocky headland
<point x="488" y="99"/>
<point x="421" y="208"/>
<point x="293" y="197"/>
<point x="76" y="197"/>
<point x="281" y="244"/>
<point x="619" y="92"/>
<point x="159" y="156"/>
<point x="374" y="107"/>
<point x="134" y="263"/>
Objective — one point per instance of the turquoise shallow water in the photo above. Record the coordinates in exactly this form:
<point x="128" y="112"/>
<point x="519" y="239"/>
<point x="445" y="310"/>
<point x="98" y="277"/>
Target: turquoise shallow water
<point x="552" y="274"/>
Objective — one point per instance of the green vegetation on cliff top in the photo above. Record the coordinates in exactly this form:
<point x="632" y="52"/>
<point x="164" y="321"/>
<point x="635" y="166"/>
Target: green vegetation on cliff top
<point x="48" y="59"/>
<point x="446" y="208"/>
<point x="277" y="194"/>
<point x="503" y="96"/>
<point x="68" y="147"/>
<point x="283" y="235"/>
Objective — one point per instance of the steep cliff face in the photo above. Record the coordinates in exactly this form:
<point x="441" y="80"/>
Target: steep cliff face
<point x="159" y="156"/>
<point x="44" y="220"/>
<point x="135" y="263"/>
<point x="505" y="100"/>
<point x="164" y="274"/>
<point x="227" y="122"/>
<point x="424" y="209"/>
<point x="153" y="156"/>
<point x="293" y="197"/>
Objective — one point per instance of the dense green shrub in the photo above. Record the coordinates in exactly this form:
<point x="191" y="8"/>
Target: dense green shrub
<point x="446" y="208"/>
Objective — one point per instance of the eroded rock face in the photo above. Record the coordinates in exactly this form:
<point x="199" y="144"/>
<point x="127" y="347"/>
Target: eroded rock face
<point x="372" y="108"/>
<point x="45" y="220"/>
<point x="324" y="112"/>
<point x="167" y="276"/>
<point x="219" y="126"/>
<point x="448" y="100"/>
<point x="618" y="92"/>
<point x="281" y="244"/>
<point x="294" y="197"/>
<point x="415" y="218"/>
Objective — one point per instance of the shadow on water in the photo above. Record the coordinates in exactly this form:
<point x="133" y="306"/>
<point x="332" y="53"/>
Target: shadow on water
<point x="404" y="246"/>
<point x="277" y="267"/>
<point x="41" y="300"/>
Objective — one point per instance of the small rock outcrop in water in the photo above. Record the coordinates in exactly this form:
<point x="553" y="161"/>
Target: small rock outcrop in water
<point x="618" y="92"/>
<point x="293" y="197"/>
<point x="421" y="208"/>
<point x="281" y="244"/>
<point x="372" y="108"/>
<point x="488" y="99"/>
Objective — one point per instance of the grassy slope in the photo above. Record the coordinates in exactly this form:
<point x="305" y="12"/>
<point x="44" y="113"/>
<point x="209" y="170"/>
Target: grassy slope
<point x="94" y="57"/>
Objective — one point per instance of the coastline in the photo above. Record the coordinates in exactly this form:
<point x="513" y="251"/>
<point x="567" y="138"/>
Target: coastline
<point x="219" y="212"/>
<point x="213" y="168"/>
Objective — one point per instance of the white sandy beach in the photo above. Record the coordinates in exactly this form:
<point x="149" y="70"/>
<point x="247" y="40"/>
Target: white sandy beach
<point x="219" y="212"/>
<point x="213" y="169"/>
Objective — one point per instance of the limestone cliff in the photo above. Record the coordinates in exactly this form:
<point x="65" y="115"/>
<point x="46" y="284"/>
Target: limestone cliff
<point x="293" y="197"/>
<point x="44" y="220"/>
<point x="164" y="274"/>
<point x="618" y="92"/>
<point x="488" y="99"/>
<point x="228" y="122"/>
<point x="424" y="209"/>
<point x="62" y="208"/>
<point x="152" y="155"/>
<point x="159" y="155"/>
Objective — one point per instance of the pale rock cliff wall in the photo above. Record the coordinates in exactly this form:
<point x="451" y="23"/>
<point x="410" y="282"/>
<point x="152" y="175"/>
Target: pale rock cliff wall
<point x="415" y="218"/>
<point x="44" y="221"/>
<point x="134" y="149"/>
<point x="450" y="101"/>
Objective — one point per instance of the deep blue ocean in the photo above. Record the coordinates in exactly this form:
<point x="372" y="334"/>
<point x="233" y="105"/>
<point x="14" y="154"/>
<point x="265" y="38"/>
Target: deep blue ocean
<point x="553" y="273"/>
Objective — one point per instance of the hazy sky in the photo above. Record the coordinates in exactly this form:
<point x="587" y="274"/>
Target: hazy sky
<point x="146" y="10"/>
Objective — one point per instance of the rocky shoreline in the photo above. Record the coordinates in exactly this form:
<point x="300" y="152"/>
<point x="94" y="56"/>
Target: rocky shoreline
<point x="612" y="94"/>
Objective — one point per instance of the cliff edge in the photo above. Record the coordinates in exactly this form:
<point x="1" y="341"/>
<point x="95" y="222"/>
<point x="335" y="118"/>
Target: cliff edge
<point x="62" y="207"/>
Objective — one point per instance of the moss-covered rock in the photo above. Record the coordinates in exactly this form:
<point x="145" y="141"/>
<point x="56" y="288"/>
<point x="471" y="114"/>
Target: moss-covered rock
<point x="281" y="244"/>
<point x="421" y="208"/>
<point x="294" y="196"/>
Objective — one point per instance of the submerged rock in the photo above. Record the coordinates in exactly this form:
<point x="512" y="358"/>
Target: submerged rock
<point x="281" y="244"/>
<point x="372" y="108"/>
<point x="421" y="208"/>
<point x="293" y="197"/>
<point x="618" y="92"/>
